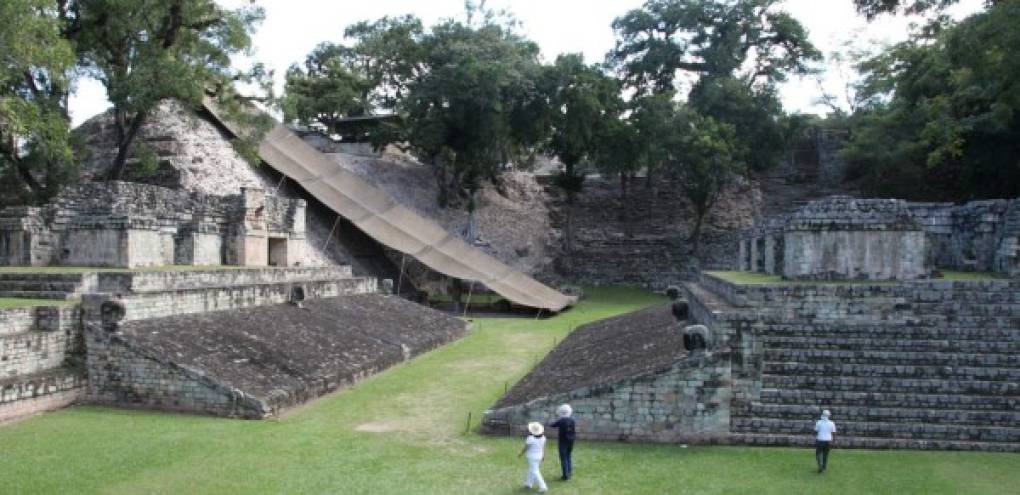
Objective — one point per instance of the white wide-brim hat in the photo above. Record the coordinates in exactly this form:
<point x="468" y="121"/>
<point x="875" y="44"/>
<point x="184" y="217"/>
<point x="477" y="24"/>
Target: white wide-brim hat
<point x="535" y="428"/>
<point x="565" y="411"/>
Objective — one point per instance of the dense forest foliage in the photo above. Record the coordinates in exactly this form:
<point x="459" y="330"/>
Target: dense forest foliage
<point x="687" y="98"/>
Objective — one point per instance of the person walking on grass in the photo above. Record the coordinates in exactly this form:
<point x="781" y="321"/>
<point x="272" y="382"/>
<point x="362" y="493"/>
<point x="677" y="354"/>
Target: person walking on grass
<point x="565" y="438"/>
<point x="824" y="428"/>
<point x="534" y="450"/>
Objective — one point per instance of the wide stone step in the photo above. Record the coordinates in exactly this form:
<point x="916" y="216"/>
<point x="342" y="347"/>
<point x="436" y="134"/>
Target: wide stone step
<point x="965" y="308"/>
<point x="892" y="371"/>
<point x="890" y="385"/>
<point x="38" y="286"/>
<point x="829" y="356"/>
<point x="910" y="431"/>
<point x="41" y="277"/>
<point x="947" y="345"/>
<point x="802" y="412"/>
<point x="20" y="294"/>
<point x="851" y="442"/>
<point x="898" y="332"/>
<point x="835" y="398"/>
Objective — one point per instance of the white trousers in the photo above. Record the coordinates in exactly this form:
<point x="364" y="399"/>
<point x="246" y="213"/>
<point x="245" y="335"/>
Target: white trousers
<point x="535" y="475"/>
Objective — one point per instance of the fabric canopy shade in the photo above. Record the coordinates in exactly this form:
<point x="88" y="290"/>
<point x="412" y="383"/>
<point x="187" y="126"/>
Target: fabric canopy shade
<point x="393" y="225"/>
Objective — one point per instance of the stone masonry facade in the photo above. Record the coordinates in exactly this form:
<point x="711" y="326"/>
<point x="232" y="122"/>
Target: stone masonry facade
<point x="49" y="355"/>
<point x="842" y="238"/>
<point x="688" y="402"/>
<point x="130" y="225"/>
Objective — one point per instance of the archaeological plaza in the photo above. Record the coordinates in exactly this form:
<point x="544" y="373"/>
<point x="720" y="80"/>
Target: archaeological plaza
<point x="274" y="247"/>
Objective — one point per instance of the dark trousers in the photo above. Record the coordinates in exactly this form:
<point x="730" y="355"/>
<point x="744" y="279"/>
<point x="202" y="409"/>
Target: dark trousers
<point x="566" y="448"/>
<point x="822" y="454"/>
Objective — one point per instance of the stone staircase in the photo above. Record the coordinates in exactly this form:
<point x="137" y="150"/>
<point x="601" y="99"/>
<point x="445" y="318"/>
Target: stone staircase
<point x="947" y="378"/>
<point x="57" y="286"/>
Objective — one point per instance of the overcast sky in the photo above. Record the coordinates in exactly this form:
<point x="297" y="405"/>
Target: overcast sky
<point x="293" y="27"/>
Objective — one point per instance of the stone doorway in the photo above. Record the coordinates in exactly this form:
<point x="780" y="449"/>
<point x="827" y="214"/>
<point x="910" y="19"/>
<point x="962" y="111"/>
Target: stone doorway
<point x="277" y="251"/>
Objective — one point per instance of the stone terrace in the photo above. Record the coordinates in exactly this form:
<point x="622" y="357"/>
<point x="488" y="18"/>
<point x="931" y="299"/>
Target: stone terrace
<point x="627" y="378"/>
<point x="604" y="352"/>
<point x="256" y="362"/>
<point x="922" y="364"/>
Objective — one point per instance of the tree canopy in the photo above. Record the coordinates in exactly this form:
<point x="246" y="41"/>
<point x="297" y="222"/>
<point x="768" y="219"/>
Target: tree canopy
<point x="147" y="51"/>
<point x="946" y="123"/>
<point x="35" y="152"/>
<point x="753" y="40"/>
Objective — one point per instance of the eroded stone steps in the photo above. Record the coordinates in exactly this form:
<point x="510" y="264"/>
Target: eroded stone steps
<point x="889" y="385"/>
<point x="851" y="442"/>
<point x="891" y="371"/>
<point x="884" y="357"/>
<point x="884" y="330"/>
<point x="28" y="294"/>
<point x="36" y="285"/>
<point x="836" y="398"/>
<point x="1003" y="343"/>
<point x="874" y="429"/>
<point x="801" y="412"/>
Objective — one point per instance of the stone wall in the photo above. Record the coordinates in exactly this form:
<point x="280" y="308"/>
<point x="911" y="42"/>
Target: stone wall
<point x="976" y="236"/>
<point x="173" y="302"/>
<point x="688" y="402"/>
<point x="125" y="375"/>
<point x="644" y="240"/>
<point x="843" y="238"/>
<point x="160" y="281"/>
<point x="124" y="224"/>
<point x="41" y="349"/>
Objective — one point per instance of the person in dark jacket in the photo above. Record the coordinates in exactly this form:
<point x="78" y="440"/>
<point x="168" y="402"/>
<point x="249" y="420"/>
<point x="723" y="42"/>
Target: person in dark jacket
<point x="565" y="438"/>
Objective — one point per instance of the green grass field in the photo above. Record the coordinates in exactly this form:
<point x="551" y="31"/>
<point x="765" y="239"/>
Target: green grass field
<point x="17" y="302"/>
<point x="403" y="432"/>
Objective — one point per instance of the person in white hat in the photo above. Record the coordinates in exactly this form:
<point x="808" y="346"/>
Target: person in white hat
<point x="565" y="438"/>
<point x="824" y="428"/>
<point x="534" y="450"/>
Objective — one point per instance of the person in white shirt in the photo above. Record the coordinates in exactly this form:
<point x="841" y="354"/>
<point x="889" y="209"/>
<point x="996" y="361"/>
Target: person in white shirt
<point x="534" y="450"/>
<point x="824" y="428"/>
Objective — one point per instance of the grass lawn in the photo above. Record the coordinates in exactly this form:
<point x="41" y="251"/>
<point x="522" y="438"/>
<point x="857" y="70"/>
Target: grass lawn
<point x="969" y="276"/>
<point x="403" y="431"/>
<point x="17" y="302"/>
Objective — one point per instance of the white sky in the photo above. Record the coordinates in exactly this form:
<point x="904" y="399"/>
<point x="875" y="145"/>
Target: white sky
<point x="293" y="27"/>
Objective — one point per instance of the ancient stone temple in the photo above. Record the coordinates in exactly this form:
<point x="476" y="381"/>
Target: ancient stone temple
<point x="130" y="225"/>
<point x="840" y="238"/>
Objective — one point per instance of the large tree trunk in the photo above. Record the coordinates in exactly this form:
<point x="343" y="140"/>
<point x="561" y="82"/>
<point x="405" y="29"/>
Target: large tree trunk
<point x="127" y="137"/>
<point x="696" y="233"/>
<point x="568" y="223"/>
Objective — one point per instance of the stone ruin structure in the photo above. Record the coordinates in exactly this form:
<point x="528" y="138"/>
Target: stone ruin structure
<point x="914" y="363"/>
<point x="842" y="238"/>
<point x="131" y="225"/>
<point x="244" y="342"/>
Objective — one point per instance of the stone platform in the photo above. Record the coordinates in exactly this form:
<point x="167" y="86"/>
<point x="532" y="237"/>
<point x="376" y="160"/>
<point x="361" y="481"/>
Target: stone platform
<point x="44" y="349"/>
<point x="256" y="362"/>
<point x="627" y="378"/>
